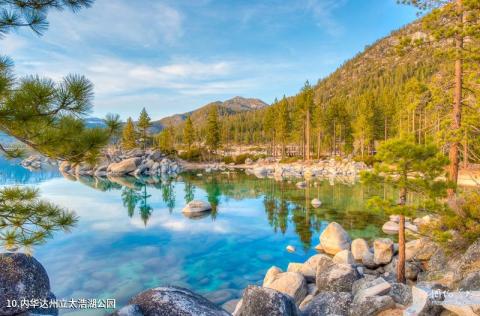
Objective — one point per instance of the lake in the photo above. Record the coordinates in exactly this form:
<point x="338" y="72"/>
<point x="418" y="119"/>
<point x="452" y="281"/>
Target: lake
<point x="131" y="234"/>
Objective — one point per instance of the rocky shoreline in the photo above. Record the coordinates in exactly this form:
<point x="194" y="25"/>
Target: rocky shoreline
<point x="347" y="277"/>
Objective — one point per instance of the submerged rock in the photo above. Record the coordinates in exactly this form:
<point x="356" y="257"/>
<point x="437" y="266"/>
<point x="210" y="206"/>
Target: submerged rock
<point x="334" y="239"/>
<point x="265" y="301"/>
<point x="21" y="277"/>
<point x="174" y="300"/>
<point x="316" y="203"/>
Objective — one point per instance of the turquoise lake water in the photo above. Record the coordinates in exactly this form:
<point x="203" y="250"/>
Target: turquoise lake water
<point x="131" y="234"/>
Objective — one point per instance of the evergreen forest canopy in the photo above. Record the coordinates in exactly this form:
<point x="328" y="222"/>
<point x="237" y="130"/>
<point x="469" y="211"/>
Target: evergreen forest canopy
<point x="404" y="84"/>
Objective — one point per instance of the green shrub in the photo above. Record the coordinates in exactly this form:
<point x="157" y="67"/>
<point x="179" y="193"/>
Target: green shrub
<point x="290" y="159"/>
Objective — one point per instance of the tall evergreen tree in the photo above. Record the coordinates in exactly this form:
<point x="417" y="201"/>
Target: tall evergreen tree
<point x="410" y="168"/>
<point x="452" y="22"/>
<point x="129" y="137"/>
<point x="188" y="133"/>
<point x="213" y="130"/>
<point x="283" y="123"/>
<point x="144" y="123"/>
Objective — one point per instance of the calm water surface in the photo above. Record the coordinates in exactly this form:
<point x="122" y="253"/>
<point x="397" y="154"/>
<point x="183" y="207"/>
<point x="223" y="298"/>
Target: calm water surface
<point x="131" y="234"/>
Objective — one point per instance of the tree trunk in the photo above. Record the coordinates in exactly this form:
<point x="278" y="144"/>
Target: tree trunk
<point x="401" y="239"/>
<point x="457" y="101"/>
<point x="401" y="251"/>
<point x="465" y="150"/>
<point x="334" y="138"/>
<point x="385" y="128"/>
<point x="307" y="136"/>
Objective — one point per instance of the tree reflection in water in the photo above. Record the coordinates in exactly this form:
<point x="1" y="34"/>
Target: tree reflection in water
<point x="285" y="205"/>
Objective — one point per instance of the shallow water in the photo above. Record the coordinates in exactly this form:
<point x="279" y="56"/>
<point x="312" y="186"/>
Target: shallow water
<point x="131" y="234"/>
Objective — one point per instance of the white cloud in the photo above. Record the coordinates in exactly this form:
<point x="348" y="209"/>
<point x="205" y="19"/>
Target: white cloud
<point x="322" y="11"/>
<point x="121" y="22"/>
<point x="12" y="44"/>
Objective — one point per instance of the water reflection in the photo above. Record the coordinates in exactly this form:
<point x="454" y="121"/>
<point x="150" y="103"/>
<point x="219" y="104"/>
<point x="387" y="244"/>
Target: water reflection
<point x="283" y="202"/>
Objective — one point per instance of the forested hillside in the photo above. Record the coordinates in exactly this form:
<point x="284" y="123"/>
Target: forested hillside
<point x="402" y="84"/>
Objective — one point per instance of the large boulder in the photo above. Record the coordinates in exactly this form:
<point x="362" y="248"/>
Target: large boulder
<point x="382" y="250"/>
<point x="265" y="301"/>
<point x="420" y="249"/>
<point x="401" y="293"/>
<point x="371" y="305"/>
<point x="471" y="282"/>
<point x="306" y="270"/>
<point x="470" y="260"/>
<point x="329" y="303"/>
<point x="334" y="239"/>
<point x="291" y="283"/>
<point x="174" y="300"/>
<point x="335" y="277"/>
<point x="359" y="248"/>
<point x="125" y="166"/>
<point x="376" y="287"/>
<point x="270" y="275"/>
<point x="344" y="256"/>
<point x="422" y="303"/>
<point x="21" y="277"/>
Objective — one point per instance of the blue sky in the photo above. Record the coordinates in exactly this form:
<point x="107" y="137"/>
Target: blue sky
<point x="174" y="56"/>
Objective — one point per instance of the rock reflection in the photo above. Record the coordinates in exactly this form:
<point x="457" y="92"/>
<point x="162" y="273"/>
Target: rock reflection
<point x="285" y="204"/>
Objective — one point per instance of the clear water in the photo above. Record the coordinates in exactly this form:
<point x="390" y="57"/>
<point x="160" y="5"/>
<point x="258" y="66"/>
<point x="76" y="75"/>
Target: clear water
<point x="131" y="234"/>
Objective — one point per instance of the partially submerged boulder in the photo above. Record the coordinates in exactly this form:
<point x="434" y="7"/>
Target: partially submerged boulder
<point x="334" y="239"/>
<point x="197" y="207"/>
<point x="265" y="301"/>
<point x="172" y="300"/>
<point x="125" y="166"/>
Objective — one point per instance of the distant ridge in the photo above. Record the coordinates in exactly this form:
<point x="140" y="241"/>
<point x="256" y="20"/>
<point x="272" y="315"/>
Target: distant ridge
<point x="229" y="107"/>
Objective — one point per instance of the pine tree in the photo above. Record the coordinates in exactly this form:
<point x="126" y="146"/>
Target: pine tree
<point x="129" y="137"/>
<point x="410" y="168"/>
<point x="165" y="140"/>
<point x="144" y="123"/>
<point x="213" y="130"/>
<point x="283" y="123"/>
<point x="452" y="22"/>
<point x="363" y="132"/>
<point x="188" y="133"/>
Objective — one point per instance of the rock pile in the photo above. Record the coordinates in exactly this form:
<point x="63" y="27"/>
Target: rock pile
<point x="361" y="280"/>
<point x="324" y="168"/>
<point x="35" y="162"/>
<point x="135" y="162"/>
